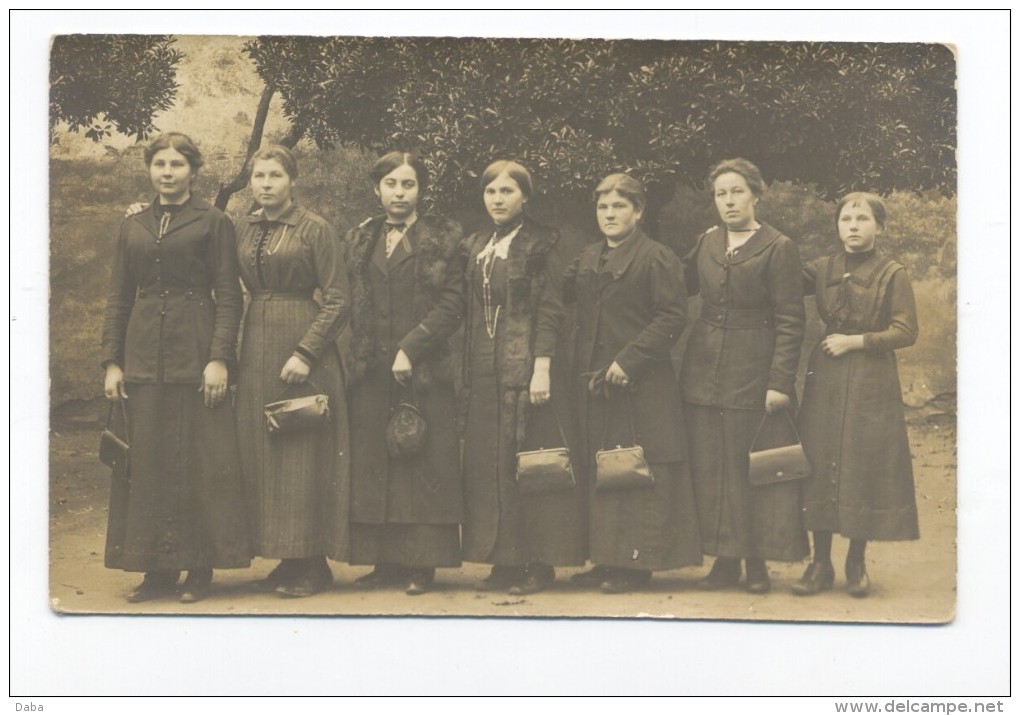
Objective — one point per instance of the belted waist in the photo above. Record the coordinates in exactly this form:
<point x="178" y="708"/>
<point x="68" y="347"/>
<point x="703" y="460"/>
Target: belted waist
<point x="735" y="317"/>
<point x="282" y="295"/>
<point x="191" y="293"/>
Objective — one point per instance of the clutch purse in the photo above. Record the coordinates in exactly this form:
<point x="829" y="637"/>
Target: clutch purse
<point x="780" y="464"/>
<point x="407" y="430"/>
<point x="297" y="415"/>
<point x="622" y="468"/>
<point x="546" y="469"/>
<point x="114" y="451"/>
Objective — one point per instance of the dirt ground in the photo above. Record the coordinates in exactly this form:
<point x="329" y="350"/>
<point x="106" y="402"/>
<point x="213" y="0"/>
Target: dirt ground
<point x="912" y="581"/>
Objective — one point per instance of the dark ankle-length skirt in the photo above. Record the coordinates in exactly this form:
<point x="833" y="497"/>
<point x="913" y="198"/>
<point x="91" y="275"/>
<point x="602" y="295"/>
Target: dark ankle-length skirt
<point x="179" y="504"/>
<point x="410" y="545"/>
<point x="736" y="519"/>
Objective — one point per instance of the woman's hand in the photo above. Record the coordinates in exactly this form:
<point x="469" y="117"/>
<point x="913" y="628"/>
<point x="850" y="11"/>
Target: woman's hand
<point x="214" y="383"/>
<point x="295" y="371"/>
<point x="539" y="390"/>
<point x="837" y="344"/>
<point x="137" y="208"/>
<point x="776" y="401"/>
<point x="617" y="376"/>
<point x="114" y="387"/>
<point x="402" y="368"/>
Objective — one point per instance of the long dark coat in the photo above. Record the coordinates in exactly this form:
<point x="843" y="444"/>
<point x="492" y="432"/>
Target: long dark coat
<point x="745" y="342"/>
<point x="852" y="420"/>
<point x="297" y="486"/>
<point x="412" y="301"/>
<point x="503" y="526"/>
<point x="174" y="305"/>
<point x="161" y="322"/>
<point x="632" y="311"/>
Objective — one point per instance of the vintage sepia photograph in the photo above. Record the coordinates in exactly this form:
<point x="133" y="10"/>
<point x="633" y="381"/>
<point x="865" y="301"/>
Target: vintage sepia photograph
<point x="503" y="327"/>
<point x="499" y="329"/>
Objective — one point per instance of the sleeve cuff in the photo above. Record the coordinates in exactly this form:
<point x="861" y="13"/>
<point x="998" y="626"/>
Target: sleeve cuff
<point x="306" y="355"/>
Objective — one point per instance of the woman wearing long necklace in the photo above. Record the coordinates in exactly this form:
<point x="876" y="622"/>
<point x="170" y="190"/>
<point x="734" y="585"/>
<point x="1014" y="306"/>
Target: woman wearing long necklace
<point x="513" y="319"/>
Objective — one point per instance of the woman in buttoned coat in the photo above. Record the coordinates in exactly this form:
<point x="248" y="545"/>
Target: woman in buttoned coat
<point x="741" y="362"/>
<point x="862" y="484"/>
<point x="169" y="336"/>
<point x="631" y="310"/>
<point x="298" y="484"/>
<point x="407" y="274"/>
<point x="516" y="399"/>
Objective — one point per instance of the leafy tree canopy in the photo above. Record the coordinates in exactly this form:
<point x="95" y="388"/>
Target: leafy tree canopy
<point x="107" y="83"/>
<point x="840" y="116"/>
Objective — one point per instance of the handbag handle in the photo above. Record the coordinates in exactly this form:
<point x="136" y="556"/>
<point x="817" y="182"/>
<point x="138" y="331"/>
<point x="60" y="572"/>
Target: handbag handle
<point x="295" y="386"/>
<point x="406" y="390"/>
<point x="123" y="412"/>
<point x="630" y="416"/>
<point x="762" y="424"/>
<point x="559" y="425"/>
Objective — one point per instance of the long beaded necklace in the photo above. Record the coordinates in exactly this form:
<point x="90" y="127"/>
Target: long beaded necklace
<point x="491" y="317"/>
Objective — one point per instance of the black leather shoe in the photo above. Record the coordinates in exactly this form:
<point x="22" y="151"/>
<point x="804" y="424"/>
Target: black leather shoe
<point x="384" y="575"/>
<point x="281" y="573"/>
<point x="725" y="574"/>
<point x="757" y="581"/>
<point x="818" y="577"/>
<point x="313" y="577"/>
<point x="857" y="582"/>
<point x="153" y="586"/>
<point x="501" y="578"/>
<point x="420" y="581"/>
<point x="622" y="581"/>
<point x="537" y="578"/>
<point x="592" y="577"/>
<point x="196" y="587"/>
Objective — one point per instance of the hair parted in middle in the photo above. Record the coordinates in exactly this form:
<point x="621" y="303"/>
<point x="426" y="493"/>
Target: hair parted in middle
<point x="392" y="160"/>
<point x="626" y="186"/>
<point x="279" y="153"/>
<point x="177" y="141"/>
<point x="518" y="172"/>
<point x="741" y="166"/>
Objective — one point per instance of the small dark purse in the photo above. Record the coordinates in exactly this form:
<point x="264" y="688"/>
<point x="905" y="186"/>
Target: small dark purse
<point x="114" y="451"/>
<point x="780" y="464"/>
<point x="407" y="429"/>
<point x="297" y="415"/>
<point x="622" y="468"/>
<point x="545" y="469"/>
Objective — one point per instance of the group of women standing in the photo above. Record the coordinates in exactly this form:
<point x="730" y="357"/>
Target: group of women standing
<point x="208" y="486"/>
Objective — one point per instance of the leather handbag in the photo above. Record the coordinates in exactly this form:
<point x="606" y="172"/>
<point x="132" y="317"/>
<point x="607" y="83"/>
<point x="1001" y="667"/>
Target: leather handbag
<point x="780" y="464"/>
<point x="545" y="469"/>
<point x="622" y="468"/>
<point x="407" y="430"/>
<point x="297" y="415"/>
<point x="114" y="450"/>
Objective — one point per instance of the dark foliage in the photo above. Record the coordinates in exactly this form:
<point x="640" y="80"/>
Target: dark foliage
<point x="106" y="83"/>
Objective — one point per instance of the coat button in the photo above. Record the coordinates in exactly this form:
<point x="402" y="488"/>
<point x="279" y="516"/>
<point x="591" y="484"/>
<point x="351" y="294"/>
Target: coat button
<point x="157" y="259"/>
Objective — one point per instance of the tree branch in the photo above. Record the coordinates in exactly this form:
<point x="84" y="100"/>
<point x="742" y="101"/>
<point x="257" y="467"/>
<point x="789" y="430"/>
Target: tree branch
<point x="241" y="179"/>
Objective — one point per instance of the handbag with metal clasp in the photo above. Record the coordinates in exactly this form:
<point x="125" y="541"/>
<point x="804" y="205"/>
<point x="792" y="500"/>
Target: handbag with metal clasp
<point x="545" y="469"/>
<point x="622" y="468"/>
<point x="297" y="415"/>
<point x="780" y="464"/>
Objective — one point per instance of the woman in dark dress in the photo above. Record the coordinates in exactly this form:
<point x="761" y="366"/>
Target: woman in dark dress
<point x="740" y="363"/>
<point x="169" y="336"/>
<point x="862" y="484"/>
<point x="631" y="310"/>
<point x="298" y="484"/>
<point x="514" y="314"/>
<point x="407" y="283"/>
